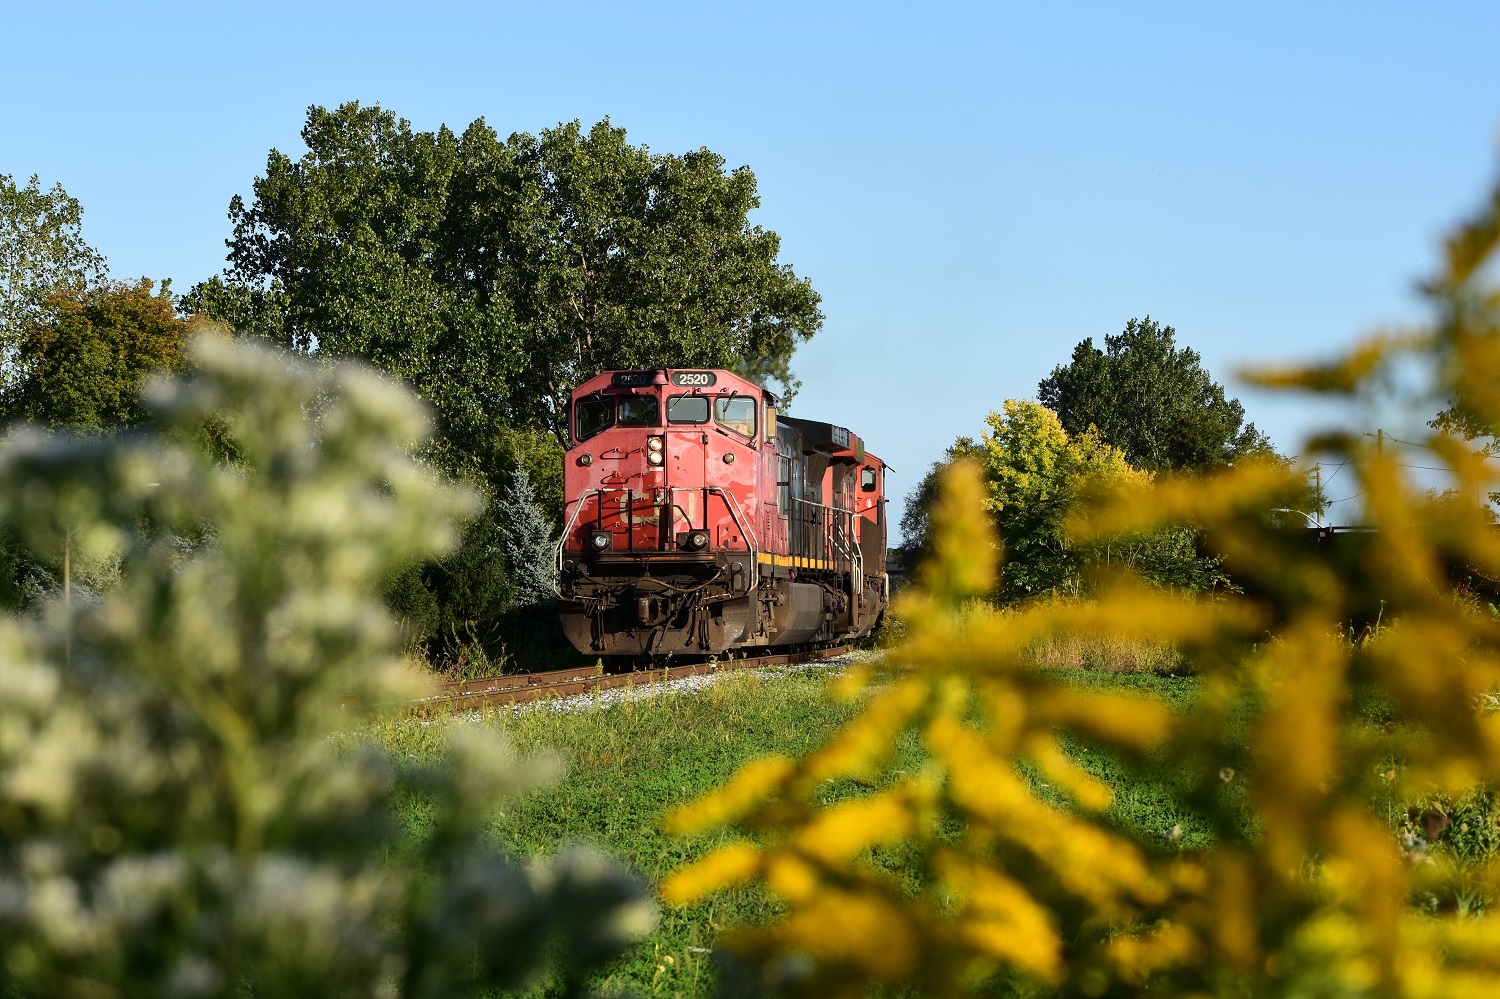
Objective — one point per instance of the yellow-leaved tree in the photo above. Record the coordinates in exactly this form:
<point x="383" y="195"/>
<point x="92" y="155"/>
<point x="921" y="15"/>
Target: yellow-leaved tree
<point x="1307" y="889"/>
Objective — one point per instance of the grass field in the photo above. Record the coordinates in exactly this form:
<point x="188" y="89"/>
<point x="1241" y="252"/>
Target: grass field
<point x="628" y="765"/>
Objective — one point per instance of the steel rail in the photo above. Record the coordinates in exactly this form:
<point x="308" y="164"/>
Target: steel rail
<point x="518" y="688"/>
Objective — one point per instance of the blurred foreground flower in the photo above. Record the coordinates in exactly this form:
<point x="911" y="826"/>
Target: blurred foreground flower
<point x="1306" y="889"/>
<point x="174" y="819"/>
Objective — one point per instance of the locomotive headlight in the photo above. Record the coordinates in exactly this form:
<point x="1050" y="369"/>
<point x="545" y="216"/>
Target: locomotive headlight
<point x="653" y="443"/>
<point x="729" y="457"/>
<point x="693" y="541"/>
<point x="600" y="540"/>
<point x="654" y="457"/>
<point x="585" y="460"/>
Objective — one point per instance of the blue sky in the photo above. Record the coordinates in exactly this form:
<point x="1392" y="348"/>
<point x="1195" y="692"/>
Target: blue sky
<point x="972" y="188"/>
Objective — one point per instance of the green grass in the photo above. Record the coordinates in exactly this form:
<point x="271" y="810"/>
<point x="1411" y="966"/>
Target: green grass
<point x="629" y="765"/>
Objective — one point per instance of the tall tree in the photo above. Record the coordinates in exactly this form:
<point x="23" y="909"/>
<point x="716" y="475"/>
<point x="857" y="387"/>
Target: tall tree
<point x="41" y="251"/>
<point x="494" y="274"/>
<point x="1151" y="399"/>
<point x="81" y="362"/>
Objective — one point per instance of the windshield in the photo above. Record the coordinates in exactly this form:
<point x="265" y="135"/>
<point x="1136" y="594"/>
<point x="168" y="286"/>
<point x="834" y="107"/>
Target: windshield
<point x="639" y="411"/>
<point x="592" y="415"/>
<point x="737" y="413"/>
<point x="687" y="409"/>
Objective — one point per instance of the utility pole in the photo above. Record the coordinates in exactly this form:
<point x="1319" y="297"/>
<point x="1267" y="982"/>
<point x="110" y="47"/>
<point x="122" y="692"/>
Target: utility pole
<point x="1318" y="474"/>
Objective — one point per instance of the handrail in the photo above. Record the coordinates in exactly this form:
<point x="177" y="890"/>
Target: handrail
<point x="858" y="560"/>
<point x="821" y="506"/>
<point x="736" y="513"/>
<point x="568" y="529"/>
<point x="732" y="505"/>
<point x="843" y="545"/>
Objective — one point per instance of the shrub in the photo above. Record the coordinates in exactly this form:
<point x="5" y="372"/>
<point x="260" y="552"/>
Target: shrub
<point x="174" y="816"/>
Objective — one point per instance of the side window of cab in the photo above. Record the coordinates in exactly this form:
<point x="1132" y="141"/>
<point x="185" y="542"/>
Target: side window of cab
<point x="592" y="415"/>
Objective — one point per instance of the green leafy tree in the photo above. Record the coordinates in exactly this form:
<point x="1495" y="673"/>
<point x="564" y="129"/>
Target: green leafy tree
<point x="916" y="518"/>
<point x="495" y="274"/>
<point x="41" y="250"/>
<point x="617" y="257"/>
<point x="1035" y="471"/>
<point x="183" y="807"/>
<point x="1153" y="400"/>
<point x="82" y="362"/>
<point x="492" y="275"/>
<point x="1038" y="478"/>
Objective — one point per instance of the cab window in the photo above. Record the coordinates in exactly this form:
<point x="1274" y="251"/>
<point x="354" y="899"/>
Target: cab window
<point x="867" y="480"/>
<point x="737" y="413"/>
<point x="592" y="415"/>
<point x="639" y="411"/>
<point x="687" y="409"/>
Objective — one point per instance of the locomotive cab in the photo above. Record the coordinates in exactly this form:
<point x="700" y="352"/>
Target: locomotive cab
<point x="698" y="521"/>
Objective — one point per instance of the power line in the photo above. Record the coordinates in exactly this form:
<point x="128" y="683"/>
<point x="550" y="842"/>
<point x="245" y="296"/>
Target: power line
<point x="1425" y="447"/>
<point x="1336" y="471"/>
<point x="1383" y="436"/>
<point x="1427" y="468"/>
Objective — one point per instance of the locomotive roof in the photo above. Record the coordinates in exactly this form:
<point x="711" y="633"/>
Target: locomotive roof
<point x="820" y="436"/>
<point x="708" y="379"/>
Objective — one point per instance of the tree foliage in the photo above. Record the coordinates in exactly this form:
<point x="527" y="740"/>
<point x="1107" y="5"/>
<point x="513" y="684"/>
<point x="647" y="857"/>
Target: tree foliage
<point x="42" y="250"/>
<point x="1307" y="889"/>
<point x="1035" y="473"/>
<point x="916" y="518"/>
<point x="1151" y="399"/>
<point x="1038" y="478"/>
<point x="495" y="274"/>
<point x="492" y="275"/>
<point x="83" y="361"/>
<point x="183" y="809"/>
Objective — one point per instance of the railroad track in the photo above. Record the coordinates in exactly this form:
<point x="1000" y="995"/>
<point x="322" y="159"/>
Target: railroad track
<point x="518" y="688"/>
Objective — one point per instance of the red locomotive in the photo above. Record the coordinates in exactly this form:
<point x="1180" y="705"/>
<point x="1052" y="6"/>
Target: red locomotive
<point x="699" y="521"/>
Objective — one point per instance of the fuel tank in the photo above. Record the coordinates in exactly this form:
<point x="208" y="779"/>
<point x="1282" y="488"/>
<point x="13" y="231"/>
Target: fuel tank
<point x="799" y="615"/>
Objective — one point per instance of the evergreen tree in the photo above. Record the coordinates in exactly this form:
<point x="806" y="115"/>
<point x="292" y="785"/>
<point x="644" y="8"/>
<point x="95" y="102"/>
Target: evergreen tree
<point x="528" y="542"/>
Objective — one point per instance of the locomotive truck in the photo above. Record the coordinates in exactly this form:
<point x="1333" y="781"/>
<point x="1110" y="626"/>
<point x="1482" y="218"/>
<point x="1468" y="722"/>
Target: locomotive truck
<point x="699" y="521"/>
